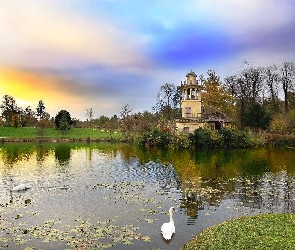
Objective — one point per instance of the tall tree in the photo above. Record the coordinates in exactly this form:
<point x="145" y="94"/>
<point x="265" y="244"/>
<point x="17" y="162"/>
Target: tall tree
<point x="89" y="114"/>
<point x="271" y="81"/>
<point x="40" y="110"/>
<point x="287" y="80"/>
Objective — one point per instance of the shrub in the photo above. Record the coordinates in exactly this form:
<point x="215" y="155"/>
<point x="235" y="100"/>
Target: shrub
<point x="201" y="138"/>
<point x="233" y="139"/>
<point x="155" y="137"/>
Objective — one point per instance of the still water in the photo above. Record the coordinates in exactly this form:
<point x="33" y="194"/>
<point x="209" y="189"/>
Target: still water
<point x="117" y="196"/>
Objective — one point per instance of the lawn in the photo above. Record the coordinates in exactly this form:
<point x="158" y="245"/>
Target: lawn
<point x="268" y="231"/>
<point x="73" y="133"/>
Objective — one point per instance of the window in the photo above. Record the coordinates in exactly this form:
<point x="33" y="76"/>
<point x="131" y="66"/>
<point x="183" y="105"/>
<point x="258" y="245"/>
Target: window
<point x="186" y="130"/>
<point x="188" y="112"/>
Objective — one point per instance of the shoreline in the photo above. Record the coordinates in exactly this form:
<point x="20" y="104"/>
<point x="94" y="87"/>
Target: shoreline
<point x="53" y="140"/>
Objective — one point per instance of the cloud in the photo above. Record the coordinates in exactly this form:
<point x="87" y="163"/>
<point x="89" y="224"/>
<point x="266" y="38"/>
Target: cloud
<point x="41" y="34"/>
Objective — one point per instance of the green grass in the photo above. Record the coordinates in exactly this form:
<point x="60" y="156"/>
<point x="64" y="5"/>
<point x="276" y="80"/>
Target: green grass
<point x="269" y="231"/>
<point x="73" y="133"/>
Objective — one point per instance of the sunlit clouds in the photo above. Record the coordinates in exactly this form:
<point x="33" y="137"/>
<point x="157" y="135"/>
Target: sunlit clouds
<point x="105" y="54"/>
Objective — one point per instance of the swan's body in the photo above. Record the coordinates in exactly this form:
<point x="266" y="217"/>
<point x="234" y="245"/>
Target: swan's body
<point x="20" y="187"/>
<point x="168" y="229"/>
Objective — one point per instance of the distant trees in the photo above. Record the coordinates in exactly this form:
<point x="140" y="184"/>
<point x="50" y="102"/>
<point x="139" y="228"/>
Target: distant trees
<point x="246" y="88"/>
<point x="258" y="97"/>
<point x="16" y="116"/>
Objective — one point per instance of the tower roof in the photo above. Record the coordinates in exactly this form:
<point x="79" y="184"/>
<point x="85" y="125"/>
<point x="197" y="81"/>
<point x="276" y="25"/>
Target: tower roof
<point x="191" y="74"/>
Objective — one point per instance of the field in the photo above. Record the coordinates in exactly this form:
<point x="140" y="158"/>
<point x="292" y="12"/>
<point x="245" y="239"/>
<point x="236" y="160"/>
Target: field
<point x="10" y="133"/>
<point x="269" y="231"/>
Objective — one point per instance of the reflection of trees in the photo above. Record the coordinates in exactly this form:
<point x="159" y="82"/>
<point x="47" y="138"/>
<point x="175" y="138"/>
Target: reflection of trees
<point x="42" y="152"/>
<point x="272" y="192"/>
<point x="62" y="152"/>
<point x="209" y="177"/>
<point x="14" y="153"/>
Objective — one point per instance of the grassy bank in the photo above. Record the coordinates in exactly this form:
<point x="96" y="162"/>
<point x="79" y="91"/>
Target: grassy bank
<point x="269" y="231"/>
<point x="10" y="134"/>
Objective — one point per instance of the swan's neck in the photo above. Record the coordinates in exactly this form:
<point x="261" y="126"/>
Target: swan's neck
<point x="171" y="217"/>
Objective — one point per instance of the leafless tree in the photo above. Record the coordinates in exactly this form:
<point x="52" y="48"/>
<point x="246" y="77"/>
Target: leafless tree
<point x="287" y="80"/>
<point x="271" y="81"/>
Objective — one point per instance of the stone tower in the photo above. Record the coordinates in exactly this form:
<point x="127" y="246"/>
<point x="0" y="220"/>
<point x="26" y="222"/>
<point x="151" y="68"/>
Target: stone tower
<point x="191" y="97"/>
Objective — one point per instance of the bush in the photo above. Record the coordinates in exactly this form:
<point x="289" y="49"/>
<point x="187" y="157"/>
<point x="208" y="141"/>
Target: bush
<point x="233" y="139"/>
<point x="201" y="138"/>
<point x="155" y="137"/>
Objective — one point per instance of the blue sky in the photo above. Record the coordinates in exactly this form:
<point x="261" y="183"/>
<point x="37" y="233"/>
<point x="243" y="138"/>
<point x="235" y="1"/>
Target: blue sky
<point x="107" y="53"/>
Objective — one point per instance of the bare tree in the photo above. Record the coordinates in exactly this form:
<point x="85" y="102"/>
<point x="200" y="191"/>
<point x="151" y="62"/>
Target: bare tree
<point x="287" y="80"/>
<point x="246" y="87"/>
<point x="125" y="111"/>
<point x="271" y="81"/>
<point x="168" y="98"/>
<point x="89" y="114"/>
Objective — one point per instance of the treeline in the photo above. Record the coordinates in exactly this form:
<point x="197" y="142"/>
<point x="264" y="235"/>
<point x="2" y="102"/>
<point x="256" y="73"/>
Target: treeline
<point x="255" y="98"/>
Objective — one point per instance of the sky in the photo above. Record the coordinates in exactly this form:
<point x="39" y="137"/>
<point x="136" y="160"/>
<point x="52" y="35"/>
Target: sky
<point x="104" y="54"/>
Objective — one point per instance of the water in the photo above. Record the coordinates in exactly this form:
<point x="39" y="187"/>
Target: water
<point x="117" y="196"/>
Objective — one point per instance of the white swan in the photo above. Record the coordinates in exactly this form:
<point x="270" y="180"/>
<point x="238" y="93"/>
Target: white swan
<point x="20" y="187"/>
<point x="168" y="229"/>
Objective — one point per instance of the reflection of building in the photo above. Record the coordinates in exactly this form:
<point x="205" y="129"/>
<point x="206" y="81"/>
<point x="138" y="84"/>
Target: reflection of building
<point x="193" y="115"/>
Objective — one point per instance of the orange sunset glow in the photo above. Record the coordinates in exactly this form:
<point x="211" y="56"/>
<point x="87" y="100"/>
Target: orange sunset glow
<point x="28" y="88"/>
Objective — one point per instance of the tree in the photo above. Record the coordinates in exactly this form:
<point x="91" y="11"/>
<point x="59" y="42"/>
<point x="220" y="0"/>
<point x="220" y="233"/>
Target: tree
<point x="247" y="89"/>
<point x="168" y="100"/>
<point x="41" y="127"/>
<point x="40" y="110"/>
<point x="28" y="117"/>
<point x="271" y="80"/>
<point x="63" y="120"/>
<point x="9" y="108"/>
<point x="257" y="117"/>
<point x="89" y="114"/>
<point x="216" y="95"/>
<point x="125" y="111"/>
<point x="15" y="121"/>
<point x="287" y="80"/>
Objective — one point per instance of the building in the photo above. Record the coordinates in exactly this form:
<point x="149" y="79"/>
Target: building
<point x="193" y="114"/>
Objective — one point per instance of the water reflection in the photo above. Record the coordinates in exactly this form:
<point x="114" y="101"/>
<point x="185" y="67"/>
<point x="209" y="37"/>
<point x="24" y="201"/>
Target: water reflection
<point x="135" y="186"/>
<point x="62" y="153"/>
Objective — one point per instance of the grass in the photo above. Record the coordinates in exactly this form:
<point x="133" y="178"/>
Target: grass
<point x="73" y="133"/>
<point x="268" y="231"/>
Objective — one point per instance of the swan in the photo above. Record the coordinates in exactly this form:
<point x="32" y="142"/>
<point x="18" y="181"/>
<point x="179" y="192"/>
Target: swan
<point x="20" y="187"/>
<point x="168" y="228"/>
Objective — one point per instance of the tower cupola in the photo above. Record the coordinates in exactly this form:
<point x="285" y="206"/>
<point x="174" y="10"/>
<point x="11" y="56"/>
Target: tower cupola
<point x="191" y="96"/>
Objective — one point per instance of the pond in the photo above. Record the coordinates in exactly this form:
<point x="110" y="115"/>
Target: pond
<point x="95" y="196"/>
